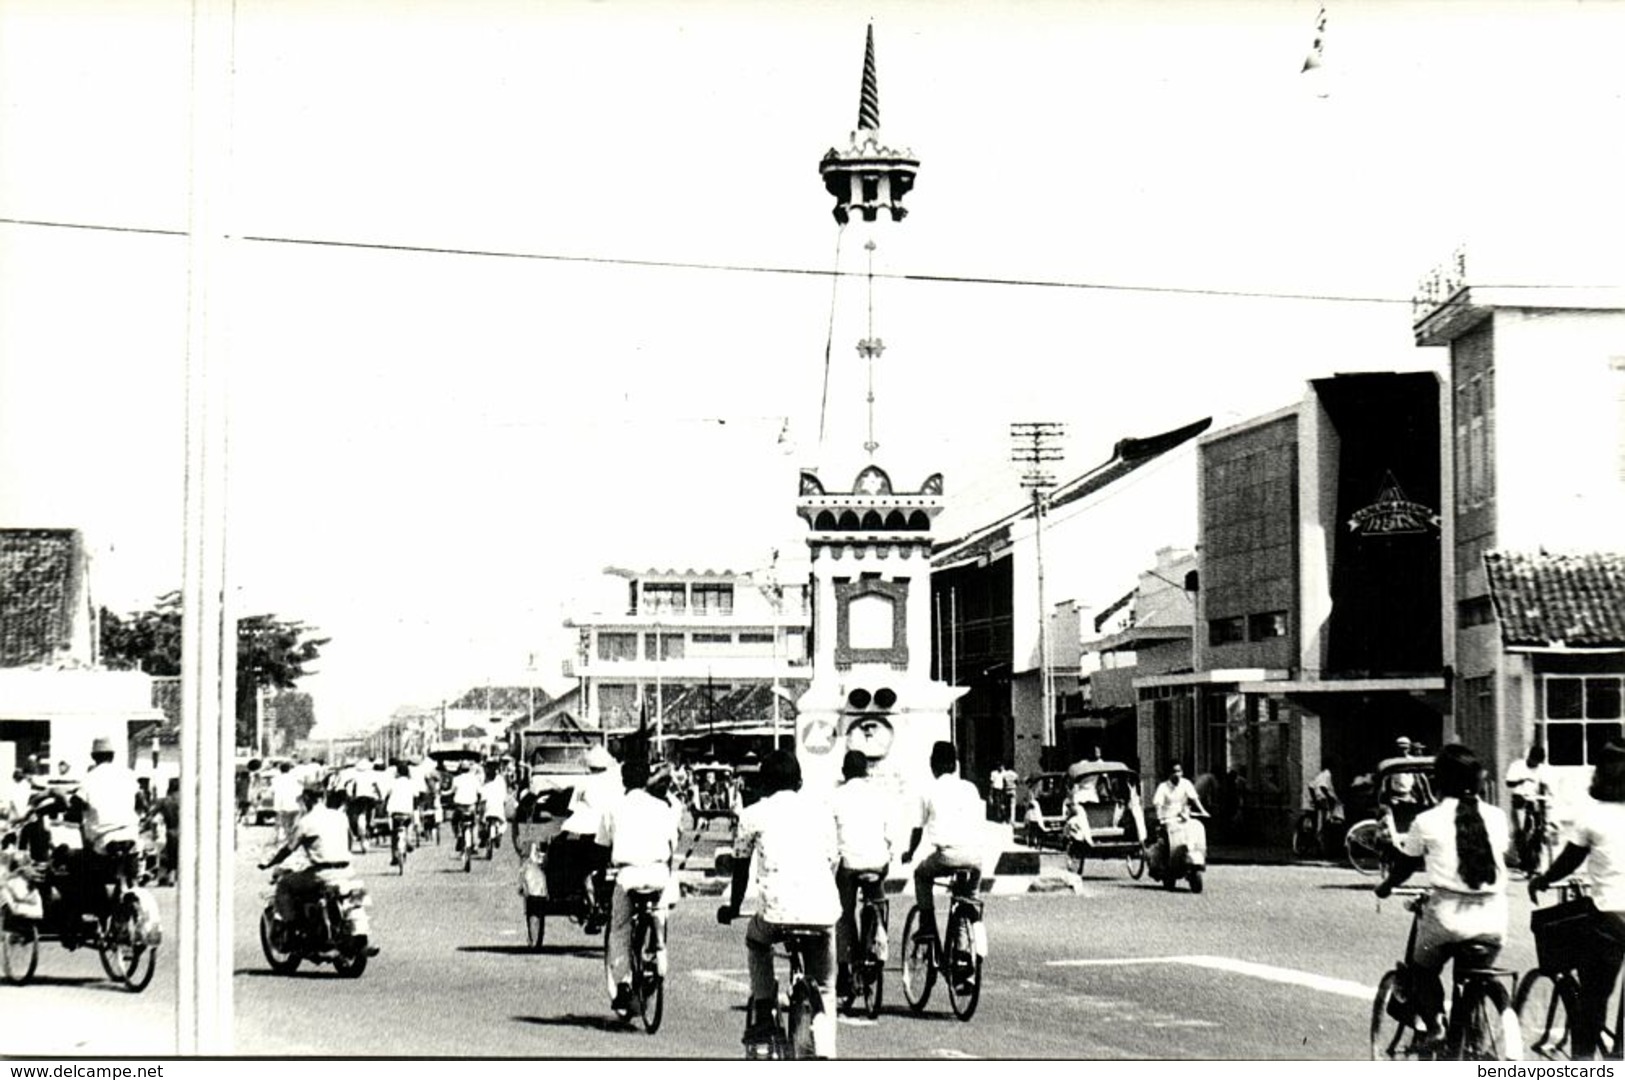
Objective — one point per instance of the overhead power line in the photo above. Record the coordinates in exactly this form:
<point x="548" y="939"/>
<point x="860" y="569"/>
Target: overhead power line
<point x="749" y="268"/>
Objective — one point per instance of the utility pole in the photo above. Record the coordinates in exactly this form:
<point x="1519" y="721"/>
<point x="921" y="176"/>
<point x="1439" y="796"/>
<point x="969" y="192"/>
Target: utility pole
<point x="1033" y="444"/>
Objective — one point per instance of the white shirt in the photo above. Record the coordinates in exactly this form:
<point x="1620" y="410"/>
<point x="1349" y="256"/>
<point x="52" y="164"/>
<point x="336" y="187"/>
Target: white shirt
<point x="639" y="830"/>
<point x="403" y="793"/>
<point x="494" y="793"/>
<point x="109" y="791"/>
<point x="951" y="815"/>
<point x="861" y="837"/>
<point x="465" y="789"/>
<point x="1432" y="838"/>
<point x="1600" y="826"/>
<point x="792" y="836"/>
<point x="1172" y="800"/>
<point x="285" y="792"/>
<point x="592" y="793"/>
<point x="328" y="832"/>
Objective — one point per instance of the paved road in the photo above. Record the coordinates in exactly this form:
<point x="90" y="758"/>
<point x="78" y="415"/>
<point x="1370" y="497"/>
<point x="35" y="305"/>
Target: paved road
<point x="1269" y="962"/>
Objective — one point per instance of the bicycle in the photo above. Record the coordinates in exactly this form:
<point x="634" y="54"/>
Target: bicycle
<point x="465" y="825"/>
<point x="1481" y="1024"/>
<point x="400" y="841"/>
<point x="799" y="1027"/>
<point x="866" y="967"/>
<point x="1315" y="835"/>
<point x="959" y="963"/>
<point x="648" y="957"/>
<point x="1548" y="996"/>
<point x="1367" y="846"/>
<point x="1534" y="841"/>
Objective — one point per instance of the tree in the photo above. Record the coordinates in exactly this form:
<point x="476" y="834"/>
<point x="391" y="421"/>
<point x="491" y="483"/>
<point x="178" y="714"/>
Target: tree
<point x="272" y="653"/>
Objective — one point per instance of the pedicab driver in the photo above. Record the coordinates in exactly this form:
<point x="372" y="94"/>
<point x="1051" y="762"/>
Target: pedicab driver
<point x="951" y="823"/>
<point x="792" y="836"/>
<point x="640" y="831"/>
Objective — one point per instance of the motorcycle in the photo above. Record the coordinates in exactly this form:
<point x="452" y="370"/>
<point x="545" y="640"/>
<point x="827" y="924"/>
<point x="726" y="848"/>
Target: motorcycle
<point x="331" y="928"/>
<point x="1180" y="851"/>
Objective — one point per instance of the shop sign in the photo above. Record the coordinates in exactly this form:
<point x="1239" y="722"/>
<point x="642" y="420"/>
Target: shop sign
<point x="1393" y="514"/>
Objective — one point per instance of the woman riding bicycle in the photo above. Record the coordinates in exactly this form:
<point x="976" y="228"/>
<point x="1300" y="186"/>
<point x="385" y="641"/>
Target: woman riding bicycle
<point x="1461" y="843"/>
<point x="1598" y="842"/>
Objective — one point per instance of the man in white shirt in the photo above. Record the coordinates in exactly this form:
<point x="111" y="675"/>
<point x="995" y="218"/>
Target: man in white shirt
<point x="399" y="802"/>
<point x="640" y="833"/>
<point x="864" y="846"/>
<point x="494" y="802"/>
<point x="465" y="800"/>
<point x="108" y="792"/>
<point x="951" y="825"/>
<point x="791" y="836"/>
<point x="1175" y="797"/>
<point x="285" y="801"/>
<point x="323" y="834"/>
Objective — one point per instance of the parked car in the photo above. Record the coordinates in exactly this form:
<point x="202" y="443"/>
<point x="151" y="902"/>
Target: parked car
<point x="1041" y="809"/>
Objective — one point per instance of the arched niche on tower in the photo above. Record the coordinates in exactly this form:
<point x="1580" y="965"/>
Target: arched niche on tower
<point x="825" y="521"/>
<point x="920" y="521"/>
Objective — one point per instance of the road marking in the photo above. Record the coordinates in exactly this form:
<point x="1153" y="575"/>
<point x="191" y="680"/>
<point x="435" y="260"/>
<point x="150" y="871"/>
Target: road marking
<point x="957" y="1055"/>
<point x="727" y="978"/>
<point x="1268" y="972"/>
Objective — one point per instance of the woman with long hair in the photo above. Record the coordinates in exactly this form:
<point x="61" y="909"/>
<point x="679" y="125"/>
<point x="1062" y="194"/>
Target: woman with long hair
<point x="1598" y="841"/>
<point x="1461" y="844"/>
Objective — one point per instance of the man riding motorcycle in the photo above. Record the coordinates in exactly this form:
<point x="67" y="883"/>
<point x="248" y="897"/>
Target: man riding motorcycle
<point x="323" y="834"/>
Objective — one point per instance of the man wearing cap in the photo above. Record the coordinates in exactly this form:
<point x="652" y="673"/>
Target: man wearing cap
<point x="108" y="792"/>
<point x="1402" y="785"/>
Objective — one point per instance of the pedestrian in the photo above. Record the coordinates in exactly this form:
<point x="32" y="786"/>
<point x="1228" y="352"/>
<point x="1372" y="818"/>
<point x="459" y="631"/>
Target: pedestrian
<point x="285" y="802"/>
<point x="169" y="811"/>
<point x="1597" y="840"/>
<point x="995" y="794"/>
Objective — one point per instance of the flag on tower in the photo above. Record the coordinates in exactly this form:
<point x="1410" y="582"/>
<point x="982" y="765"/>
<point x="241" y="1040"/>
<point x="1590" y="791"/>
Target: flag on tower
<point x="1317" y="49"/>
<point x="869" y="97"/>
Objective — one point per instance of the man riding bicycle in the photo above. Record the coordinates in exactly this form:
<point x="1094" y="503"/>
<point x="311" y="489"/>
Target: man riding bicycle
<point x="864" y="846"/>
<point x="640" y="831"/>
<point x="465" y="798"/>
<point x="951" y="822"/>
<point x="494" y="802"/>
<point x="792" y="836"/>
<point x="399" y="802"/>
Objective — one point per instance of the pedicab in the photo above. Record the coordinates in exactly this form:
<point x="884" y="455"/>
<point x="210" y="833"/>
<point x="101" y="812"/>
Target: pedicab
<point x="715" y="792"/>
<point x="1403" y="787"/>
<point x="52" y="889"/>
<point x="1105" y="819"/>
<point x="548" y="882"/>
<point x="1042" y="810"/>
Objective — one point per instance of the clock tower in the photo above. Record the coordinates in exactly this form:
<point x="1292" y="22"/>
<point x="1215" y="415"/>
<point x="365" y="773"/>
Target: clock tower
<point x="870" y="530"/>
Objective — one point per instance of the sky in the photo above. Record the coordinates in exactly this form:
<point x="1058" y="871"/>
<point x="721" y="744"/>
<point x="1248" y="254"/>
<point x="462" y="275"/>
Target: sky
<point x="521" y="290"/>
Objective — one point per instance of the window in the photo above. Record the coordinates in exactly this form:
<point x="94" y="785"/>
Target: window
<point x="664" y="600"/>
<point x="1475" y="424"/>
<point x="617" y="703"/>
<point x="751" y="637"/>
<point x="713" y="599"/>
<point x="1269" y="624"/>
<point x="1578" y="714"/>
<point x="1475" y="611"/>
<point x="795" y="646"/>
<point x="715" y="639"/>
<point x="1226" y="631"/>
<point x="616" y="647"/>
<point x="670" y="646"/>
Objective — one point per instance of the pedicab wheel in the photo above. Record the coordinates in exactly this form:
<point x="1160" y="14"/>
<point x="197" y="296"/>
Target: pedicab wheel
<point x="919" y="975"/>
<point x="282" y="960"/>
<point x="1196" y="881"/>
<point x="1391" y="1039"/>
<point x="1545" y="1008"/>
<point x="124" y="953"/>
<point x="1364" y="846"/>
<point x="535" y="930"/>
<point x="1169" y="881"/>
<point x="351" y="962"/>
<point x="805" y="1004"/>
<point x="19" y="949"/>
<point x="1135" y="861"/>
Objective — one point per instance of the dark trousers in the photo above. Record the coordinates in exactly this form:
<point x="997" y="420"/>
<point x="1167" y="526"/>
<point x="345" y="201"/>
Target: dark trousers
<point x="1598" y="971"/>
<point x="846" y="885"/>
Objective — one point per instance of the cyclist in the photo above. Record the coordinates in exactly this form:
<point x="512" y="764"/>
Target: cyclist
<point x="494" y="799"/>
<point x="1461" y="842"/>
<point x="1598" y="841"/>
<point x="399" y="801"/>
<point x="792" y="836"/>
<point x="864" y="845"/>
<point x="465" y="798"/>
<point x="950" y="821"/>
<point x="640" y="832"/>
<point x="573" y="856"/>
<point x="1529" y="783"/>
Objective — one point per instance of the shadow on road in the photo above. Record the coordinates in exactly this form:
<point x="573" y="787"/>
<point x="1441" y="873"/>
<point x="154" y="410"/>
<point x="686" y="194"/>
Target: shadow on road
<point x="526" y="950"/>
<point x="73" y="980"/>
<point x="1357" y="886"/>
<point x="297" y="973"/>
<point x="594" y="1023"/>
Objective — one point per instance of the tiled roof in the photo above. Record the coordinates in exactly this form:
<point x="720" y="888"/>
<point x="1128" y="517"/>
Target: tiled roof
<point x="40" y="573"/>
<point x="1576" y="601"/>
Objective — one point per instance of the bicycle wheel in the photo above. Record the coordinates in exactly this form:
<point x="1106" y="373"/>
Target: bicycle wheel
<point x="1365" y="847"/>
<point x="124" y="950"/>
<point x="1544" y="1006"/>
<point x="647" y="984"/>
<point x="806" y="1004"/>
<point x="468" y="850"/>
<point x="870" y="972"/>
<point x="963" y="969"/>
<point x="1483" y="1026"/>
<point x="1134" y="861"/>
<point x="19" y="949"/>
<point x="919" y="973"/>
<point x="1392" y="1037"/>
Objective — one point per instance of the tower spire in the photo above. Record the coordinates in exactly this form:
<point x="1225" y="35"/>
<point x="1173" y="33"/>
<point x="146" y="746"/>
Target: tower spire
<point x="869" y="95"/>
